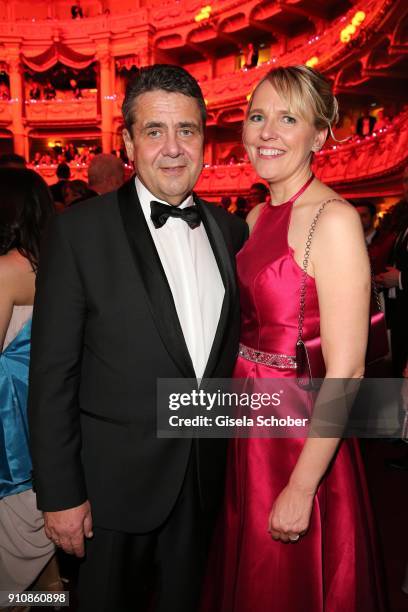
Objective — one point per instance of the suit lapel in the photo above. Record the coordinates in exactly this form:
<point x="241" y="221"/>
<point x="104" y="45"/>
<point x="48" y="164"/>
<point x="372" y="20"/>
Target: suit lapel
<point x="225" y="266"/>
<point x="151" y="272"/>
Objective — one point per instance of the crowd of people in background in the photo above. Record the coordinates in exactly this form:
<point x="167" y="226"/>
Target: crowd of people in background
<point x="39" y="92"/>
<point x="106" y="172"/>
<point x="71" y="153"/>
<point x="46" y="91"/>
<point x="67" y="153"/>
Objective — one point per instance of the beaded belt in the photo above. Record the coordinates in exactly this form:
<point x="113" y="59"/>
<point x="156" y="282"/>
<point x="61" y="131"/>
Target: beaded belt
<point x="274" y="360"/>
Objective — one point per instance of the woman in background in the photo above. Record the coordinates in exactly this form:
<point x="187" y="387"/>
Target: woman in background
<point x="25" y="551"/>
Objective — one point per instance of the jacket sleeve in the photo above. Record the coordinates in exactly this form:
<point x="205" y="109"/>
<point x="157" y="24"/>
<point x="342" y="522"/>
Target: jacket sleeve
<point x="53" y="408"/>
<point x="404" y="279"/>
<point x="403" y="265"/>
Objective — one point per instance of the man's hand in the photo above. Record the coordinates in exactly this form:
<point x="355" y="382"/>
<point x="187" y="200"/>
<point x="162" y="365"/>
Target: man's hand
<point x="388" y="279"/>
<point x="67" y="528"/>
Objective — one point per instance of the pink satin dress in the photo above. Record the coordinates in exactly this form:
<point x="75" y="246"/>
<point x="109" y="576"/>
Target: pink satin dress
<point x="333" y="568"/>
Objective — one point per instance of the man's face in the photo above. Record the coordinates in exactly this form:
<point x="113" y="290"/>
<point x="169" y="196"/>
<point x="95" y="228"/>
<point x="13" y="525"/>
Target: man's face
<point x="166" y="144"/>
<point x="405" y="184"/>
<point x="367" y="220"/>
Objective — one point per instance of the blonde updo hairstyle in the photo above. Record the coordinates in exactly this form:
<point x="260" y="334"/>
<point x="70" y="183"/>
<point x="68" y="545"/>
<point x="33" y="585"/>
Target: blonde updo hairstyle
<point x="306" y="91"/>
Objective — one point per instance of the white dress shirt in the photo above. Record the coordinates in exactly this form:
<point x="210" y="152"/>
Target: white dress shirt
<point x="369" y="237"/>
<point x="193" y="275"/>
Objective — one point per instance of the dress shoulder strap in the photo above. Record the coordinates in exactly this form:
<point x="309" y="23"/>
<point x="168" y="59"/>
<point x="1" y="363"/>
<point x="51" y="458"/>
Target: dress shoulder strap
<point x="305" y="263"/>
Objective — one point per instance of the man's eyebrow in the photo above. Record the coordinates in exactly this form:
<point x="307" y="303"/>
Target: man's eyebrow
<point x="184" y="124"/>
<point x="161" y="124"/>
<point x="154" y="124"/>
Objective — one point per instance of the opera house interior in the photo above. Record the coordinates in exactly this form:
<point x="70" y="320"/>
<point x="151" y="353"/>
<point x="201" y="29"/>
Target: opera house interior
<point x="65" y="68"/>
<point x="362" y="51"/>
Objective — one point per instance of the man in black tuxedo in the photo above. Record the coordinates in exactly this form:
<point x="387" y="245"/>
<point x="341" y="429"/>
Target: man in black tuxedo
<point x="134" y="285"/>
<point x="396" y="280"/>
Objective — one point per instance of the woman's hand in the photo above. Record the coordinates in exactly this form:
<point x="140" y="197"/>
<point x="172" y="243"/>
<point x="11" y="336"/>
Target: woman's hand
<point x="290" y="514"/>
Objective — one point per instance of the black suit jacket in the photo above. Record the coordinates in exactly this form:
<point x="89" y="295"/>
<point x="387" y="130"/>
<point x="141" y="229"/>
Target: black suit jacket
<point x="401" y="262"/>
<point x="104" y="329"/>
<point x="398" y="307"/>
<point x="56" y="190"/>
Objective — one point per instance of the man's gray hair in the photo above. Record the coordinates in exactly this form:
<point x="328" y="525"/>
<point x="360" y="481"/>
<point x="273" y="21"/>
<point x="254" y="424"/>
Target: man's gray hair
<point x="166" y="77"/>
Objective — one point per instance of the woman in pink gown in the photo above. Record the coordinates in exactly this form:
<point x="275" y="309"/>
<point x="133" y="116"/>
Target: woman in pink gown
<point x="297" y="533"/>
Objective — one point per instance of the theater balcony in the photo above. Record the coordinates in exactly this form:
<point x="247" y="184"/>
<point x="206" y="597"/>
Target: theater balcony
<point x="60" y="111"/>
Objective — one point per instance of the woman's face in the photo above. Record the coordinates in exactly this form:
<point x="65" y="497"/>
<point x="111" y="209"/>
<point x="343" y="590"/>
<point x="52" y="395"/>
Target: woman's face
<point x="278" y="142"/>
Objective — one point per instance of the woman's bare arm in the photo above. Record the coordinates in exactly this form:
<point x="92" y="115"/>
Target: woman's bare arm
<point x="343" y="281"/>
<point x="17" y="287"/>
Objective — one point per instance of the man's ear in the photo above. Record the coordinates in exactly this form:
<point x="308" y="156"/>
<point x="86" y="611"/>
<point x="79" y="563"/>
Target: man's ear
<point x="127" y="139"/>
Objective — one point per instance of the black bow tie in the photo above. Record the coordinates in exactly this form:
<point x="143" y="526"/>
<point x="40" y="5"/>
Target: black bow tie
<point x="161" y="212"/>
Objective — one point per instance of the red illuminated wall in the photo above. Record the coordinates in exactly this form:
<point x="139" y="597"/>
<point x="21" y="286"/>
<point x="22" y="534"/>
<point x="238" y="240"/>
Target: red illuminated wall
<point x="361" y="46"/>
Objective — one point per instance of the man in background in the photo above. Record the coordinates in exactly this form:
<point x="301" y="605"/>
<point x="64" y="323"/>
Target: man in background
<point x="12" y="160"/>
<point x="63" y="176"/>
<point x="395" y="278"/>
<point x="379" y="243"/>
<point x="258" y="194"/>
<point x="368" y="213"/>
<point x="106" y="173"/>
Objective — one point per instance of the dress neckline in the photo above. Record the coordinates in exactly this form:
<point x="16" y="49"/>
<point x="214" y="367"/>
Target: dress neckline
<point x="297" y="195"/>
